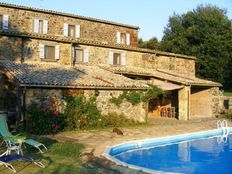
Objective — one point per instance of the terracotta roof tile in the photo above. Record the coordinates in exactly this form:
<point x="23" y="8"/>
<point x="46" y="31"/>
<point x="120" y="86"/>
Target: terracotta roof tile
<point x="81" y="76"/>
<point x="177" y="78"/>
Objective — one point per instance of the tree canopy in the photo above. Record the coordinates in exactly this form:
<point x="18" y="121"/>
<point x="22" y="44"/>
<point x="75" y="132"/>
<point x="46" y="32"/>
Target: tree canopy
<point x="152" y="43"/>
<point x="205" y="32"/>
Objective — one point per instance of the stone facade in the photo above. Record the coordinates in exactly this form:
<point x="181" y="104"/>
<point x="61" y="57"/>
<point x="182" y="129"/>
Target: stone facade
<point x="55" y="99"/>
<point x="221" y="105"/>
<point x="22" y="20"/>
<point x="28" y="50"/>
<point x="109" y="55"/>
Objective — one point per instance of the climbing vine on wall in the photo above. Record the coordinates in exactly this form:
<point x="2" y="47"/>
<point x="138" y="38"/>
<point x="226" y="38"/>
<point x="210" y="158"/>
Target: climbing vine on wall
<point x="136" y="97"/>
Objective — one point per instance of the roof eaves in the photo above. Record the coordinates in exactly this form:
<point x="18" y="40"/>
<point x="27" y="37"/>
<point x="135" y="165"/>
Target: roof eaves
<point x="66" y="14"/>
<point x="81" y="87"/>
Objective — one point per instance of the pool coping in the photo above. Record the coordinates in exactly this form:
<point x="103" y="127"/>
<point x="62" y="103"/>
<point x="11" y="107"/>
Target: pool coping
<point x="135" y="143"/>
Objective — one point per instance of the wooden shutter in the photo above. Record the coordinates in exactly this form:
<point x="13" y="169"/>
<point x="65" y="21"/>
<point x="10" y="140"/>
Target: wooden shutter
<point x="118" y="35"/>
<point x="5" y="22"/>
<point x="127" y="38"/>
<point x="57" y="52"/>
<point x="45" y="27"/>
<point x="111" y="58"/>
<point x="65" y="29"/>
<point x="41" y="51"/>
<point x="86" y="55"/>
<point x="123" y="59"/>
<point x="36" y="25"/>
<point x="78" y="31"/>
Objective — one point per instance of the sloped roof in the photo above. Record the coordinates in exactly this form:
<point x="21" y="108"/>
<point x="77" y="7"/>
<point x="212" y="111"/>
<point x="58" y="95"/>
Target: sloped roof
<point x="176" y="78"/>
<point x="36" y="74"/>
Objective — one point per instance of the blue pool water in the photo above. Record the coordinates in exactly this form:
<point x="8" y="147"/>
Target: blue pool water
<point x="208" y="155"/>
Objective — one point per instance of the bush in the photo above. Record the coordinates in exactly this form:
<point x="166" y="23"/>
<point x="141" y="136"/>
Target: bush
<point x="115" y="120"/>
<point x="81" y="113"/>
<point x="41" y="120"/>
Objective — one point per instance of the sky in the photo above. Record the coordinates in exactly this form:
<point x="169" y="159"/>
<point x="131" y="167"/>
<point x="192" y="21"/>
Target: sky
<point x="150" y="15"/>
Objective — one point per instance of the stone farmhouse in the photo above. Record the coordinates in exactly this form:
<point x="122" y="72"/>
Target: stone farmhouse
<point x="44" y="54"/>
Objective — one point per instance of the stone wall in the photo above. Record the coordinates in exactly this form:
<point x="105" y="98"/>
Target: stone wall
<point x="135" y="112"/>
<point x="14" y="48"/>
<point x="22" y="20"/>
<point x="200" y="102"/>
<point x="54" y="98"/>
<point x="10" y="48"/>
<point x="221" y="105"/>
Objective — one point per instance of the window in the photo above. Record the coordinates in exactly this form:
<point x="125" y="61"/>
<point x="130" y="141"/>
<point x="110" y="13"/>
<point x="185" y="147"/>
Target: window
<point x="49" y="52"/>
<point x="4" y="22"/>
<point x="78" y="55"/>
<point x="123" y="38"/>
<point x="117" y="58"/>
<point x="72" y="30"/>
<point x="81" y="55"/>
<point x="40" y="26"/>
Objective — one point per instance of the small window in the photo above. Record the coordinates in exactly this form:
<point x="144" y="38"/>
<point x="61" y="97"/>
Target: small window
<point x="1" y="21"/>
<point x="123" y="38"/>
<point x="71" y="31"/>
<point x="78" y="55"/>
<point x="49" y="52"/>
<point x="41" y="26"/>
<point x="117" y="59"/>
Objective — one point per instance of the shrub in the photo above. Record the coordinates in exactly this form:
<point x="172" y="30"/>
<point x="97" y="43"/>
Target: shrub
<point x="81" y="113"/>
<point x="41" y="120"/>
<point x="136" y="97"/>
<point x="115" y="120"/>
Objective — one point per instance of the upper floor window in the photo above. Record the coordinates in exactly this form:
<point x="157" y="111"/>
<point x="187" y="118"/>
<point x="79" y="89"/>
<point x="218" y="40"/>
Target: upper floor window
<point x="40" y="26"/>
<point x="49" y="52"/>
<point x="123" y="38"/>
<point x="117" y="58"/>
<point x="4" y="23"/>
<point x="72" y="30"/>
<point x="81" y="55"/>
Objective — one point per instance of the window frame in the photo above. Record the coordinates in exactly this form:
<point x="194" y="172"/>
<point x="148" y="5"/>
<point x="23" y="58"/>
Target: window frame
<point x="74" y="30"/>
<point x="76" y="59"/>
<point x="117" y="57"/>
<point x="40" y="26"/>
<point x="53" y="52"/>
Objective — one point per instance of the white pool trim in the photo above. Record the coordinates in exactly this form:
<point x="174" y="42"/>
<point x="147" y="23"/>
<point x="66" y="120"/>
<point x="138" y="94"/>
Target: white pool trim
<point x="162" y="141"/>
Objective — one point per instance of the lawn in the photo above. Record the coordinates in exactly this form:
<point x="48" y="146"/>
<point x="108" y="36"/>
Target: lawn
<point x="61" y="158"/>
<point x="228" y="93"/>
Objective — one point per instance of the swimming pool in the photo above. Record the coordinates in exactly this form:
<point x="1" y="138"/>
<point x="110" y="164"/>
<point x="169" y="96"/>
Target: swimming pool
<point x="197" y="153"/>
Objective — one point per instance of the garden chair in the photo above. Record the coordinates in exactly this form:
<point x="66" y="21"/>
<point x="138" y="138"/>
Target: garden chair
<point x="17" y="139"/>
<point x="6" y="160"/>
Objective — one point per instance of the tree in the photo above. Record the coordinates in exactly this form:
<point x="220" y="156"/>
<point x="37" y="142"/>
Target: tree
<point x="206" y="33"/>
<point x="152" y="43"/>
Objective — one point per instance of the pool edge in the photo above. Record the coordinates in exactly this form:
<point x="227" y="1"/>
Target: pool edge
<point x="107" y="155"/>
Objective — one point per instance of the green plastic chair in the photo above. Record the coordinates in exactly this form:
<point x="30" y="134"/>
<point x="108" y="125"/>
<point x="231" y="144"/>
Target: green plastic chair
<point x="17" y="139"/>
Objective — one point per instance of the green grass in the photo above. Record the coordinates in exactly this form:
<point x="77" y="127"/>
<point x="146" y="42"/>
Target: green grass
<point x="61" y="158"/>
<point x="227" y="93"/>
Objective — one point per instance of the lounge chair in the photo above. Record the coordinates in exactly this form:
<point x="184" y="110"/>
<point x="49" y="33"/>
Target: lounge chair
<point x="6" y="160"/>
<point x="17" y="139"/>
